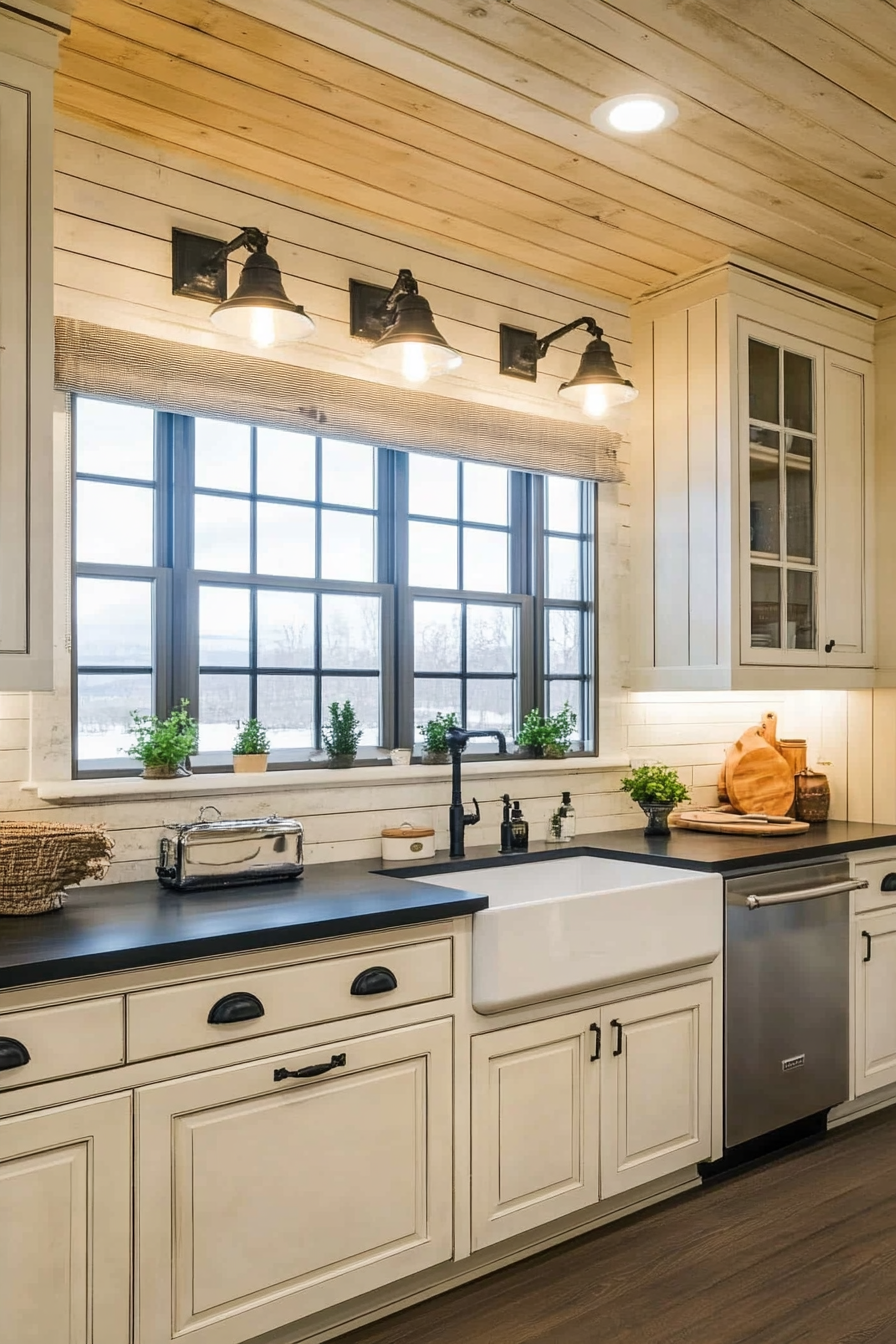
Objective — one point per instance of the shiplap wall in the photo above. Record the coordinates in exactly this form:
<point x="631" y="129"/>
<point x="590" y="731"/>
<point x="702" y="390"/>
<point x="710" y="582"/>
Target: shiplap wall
<point x="116" y="203"/>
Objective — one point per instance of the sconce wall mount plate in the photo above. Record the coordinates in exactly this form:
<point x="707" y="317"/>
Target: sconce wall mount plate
<point x="198" y="268"/>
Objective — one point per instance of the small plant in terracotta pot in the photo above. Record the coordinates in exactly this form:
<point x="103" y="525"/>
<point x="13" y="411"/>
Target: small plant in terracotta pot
<point x="342" y="735"/>
<point x="251" y="748"/>
<point x="657" y="788"/>
<point x="163" y="745"/>
<point x="435" y="741"/>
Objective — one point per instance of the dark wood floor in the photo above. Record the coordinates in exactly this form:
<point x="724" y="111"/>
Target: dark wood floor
<point x="800" y="1249"/>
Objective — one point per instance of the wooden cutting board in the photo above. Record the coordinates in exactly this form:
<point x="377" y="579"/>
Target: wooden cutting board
<point x="757" y="777"/>
<point x="728" y="823"/>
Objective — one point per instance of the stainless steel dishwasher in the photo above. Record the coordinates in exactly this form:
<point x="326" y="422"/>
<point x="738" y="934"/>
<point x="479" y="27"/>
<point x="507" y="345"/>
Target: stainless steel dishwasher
<point x="786" y="996"/>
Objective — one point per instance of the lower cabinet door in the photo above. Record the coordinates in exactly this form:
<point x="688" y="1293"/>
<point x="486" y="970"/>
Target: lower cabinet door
<point x="65" y="1225"/>
<point x="657" y="1086"/>
<point x="261" y="1200"/>
<point x="875" y="1017"/>
<point x="535" y="1103"/>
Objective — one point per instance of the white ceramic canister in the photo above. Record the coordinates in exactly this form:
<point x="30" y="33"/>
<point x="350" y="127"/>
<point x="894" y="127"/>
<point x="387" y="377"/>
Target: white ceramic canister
<point x="408" y="842"/>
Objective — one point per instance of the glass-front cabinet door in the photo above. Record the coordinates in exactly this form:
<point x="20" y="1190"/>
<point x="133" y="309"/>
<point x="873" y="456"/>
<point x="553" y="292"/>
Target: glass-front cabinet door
<point x="780" y="413"/>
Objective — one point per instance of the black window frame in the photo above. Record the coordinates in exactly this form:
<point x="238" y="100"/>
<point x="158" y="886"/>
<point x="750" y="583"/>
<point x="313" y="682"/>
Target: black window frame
<point x="176" y="667"/>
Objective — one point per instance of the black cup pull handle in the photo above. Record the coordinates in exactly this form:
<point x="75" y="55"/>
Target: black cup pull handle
<point x="239" y="1007"/>
<point x="867" y="937"/>
<point x="617" y="1049"/>
<point x="596" y="1029"/>
<point x="13" y="1054"/>
<point x="312" y="1071"/>
<point x="375" y="980"/>
<point x="889" y="882"/>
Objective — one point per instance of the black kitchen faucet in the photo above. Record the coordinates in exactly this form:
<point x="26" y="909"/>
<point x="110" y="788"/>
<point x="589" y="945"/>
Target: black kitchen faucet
<point x="458" y="819"/>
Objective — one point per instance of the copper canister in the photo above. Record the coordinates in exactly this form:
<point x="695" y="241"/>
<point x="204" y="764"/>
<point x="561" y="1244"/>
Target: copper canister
<point x="813" y="796"/>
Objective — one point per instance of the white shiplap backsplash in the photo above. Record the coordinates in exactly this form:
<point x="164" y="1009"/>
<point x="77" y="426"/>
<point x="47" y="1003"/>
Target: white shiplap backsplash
<point x="117" y="200"/>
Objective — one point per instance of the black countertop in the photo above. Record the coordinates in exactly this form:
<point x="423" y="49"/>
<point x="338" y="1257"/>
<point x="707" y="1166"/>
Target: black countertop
<point x="115" y="928"/>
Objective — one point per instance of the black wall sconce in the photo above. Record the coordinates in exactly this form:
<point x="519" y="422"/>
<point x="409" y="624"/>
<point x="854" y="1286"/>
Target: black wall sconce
<point x="597" y="387"/>
<point x="260" y="310"/>
<point x="400" y="324"/>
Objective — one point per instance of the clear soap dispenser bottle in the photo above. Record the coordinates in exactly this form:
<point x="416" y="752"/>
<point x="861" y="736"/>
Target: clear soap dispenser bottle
<point x="567" y="818"/>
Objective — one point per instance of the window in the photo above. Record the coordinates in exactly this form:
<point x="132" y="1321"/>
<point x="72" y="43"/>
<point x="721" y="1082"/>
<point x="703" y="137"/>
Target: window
<point x="259" y="572"/>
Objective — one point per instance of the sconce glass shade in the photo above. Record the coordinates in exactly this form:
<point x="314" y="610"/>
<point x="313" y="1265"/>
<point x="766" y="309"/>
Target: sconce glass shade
<point x="413" y="345"/>
<point x="260" y="310"/>
<point x="598" y="387"/>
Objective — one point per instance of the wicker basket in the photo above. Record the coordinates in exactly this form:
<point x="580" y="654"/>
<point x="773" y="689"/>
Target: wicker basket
<point x="38" y="859"/>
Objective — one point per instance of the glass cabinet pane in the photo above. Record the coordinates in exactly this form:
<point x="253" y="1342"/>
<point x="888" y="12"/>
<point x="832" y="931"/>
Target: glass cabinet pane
<point x="800" y="510"/>
<point x="765" y="607"/>
<point x="764" y="375"/>
<point x="800" y="609"/>
<point x="798" y="398"/>
<point x="765" y="492"/>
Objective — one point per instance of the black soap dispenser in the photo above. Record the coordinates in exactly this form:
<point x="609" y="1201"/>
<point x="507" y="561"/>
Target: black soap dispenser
<point x="506" y="827"/>
<point x="519" y="829"/>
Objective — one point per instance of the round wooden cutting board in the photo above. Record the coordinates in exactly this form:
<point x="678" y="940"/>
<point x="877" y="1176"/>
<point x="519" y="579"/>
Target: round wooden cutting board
<point x="757" y="777"/>
<point x="728" y="823"/>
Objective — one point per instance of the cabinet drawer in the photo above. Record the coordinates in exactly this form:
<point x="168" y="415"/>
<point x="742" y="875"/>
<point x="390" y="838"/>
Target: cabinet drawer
<point x="165" y="1021"/>
<point x="71" y="1038"/>
<point x="873" y="898"/>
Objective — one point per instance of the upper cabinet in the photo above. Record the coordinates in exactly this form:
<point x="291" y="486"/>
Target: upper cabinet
<point x="27" y="58"/>
<point x="752" y="487"/>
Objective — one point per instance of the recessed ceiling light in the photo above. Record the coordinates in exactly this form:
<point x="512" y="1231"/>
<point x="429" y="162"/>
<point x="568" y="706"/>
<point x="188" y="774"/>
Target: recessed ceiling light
<point x="634" y="114"/>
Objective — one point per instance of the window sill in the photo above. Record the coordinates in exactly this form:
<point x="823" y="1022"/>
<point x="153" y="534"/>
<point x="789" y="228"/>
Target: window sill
<point x="295" y="781"/>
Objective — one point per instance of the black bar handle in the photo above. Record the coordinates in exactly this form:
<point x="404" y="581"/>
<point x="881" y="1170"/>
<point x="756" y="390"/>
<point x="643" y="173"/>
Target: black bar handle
<point x="618" y="1025"/>
<point x="375" y="980"/>
<point x="13" y="1054"/>
<point x="596" y="1029"/>
<point x="313" y="1070"/>
<point x="889" y="882"/>
<point x="867" y="937"/>
<point x="239" y="1007"/>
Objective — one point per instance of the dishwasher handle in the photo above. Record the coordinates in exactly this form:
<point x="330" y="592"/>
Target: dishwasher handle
<point x="809" y="894"/>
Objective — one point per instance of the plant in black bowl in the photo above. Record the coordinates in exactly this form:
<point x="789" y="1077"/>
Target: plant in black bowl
<point x="657" y="788"/>
<point x="547" y="736"/>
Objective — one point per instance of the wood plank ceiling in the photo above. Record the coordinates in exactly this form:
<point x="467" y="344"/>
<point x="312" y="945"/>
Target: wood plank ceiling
<point x="469" y="120"/>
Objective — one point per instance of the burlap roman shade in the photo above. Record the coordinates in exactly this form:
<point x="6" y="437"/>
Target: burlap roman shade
<point x="192" y="380"/>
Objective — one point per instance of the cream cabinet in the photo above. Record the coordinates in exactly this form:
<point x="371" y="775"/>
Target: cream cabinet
<point x="65" y="1214"/>
<point x="26" y="354"/>
<point x="753" y="486"/>
<point x="534" y="1142"/>
<point x="656" y="1111"/>
<point x="875" y="1001"/>
<point x="263" y="1198"/>
<point x="584" y="1107"/>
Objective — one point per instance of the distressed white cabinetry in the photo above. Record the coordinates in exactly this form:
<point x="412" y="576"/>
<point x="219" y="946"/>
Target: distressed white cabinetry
<point x="65" y="1224"/>
<point x="753" y="486"/>
<point x="587" y="1106"/>
<point x="261" y="1200"/>
<point x="27" y="58"/>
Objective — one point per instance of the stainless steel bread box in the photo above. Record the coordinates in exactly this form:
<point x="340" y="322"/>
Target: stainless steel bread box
<point x="217" y="853"/>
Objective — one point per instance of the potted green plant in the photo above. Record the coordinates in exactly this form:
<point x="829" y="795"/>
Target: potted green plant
<point x="163" y="745"/>
<point x="551" y="736"/>
<point x="657" y="788"/>
<point x="435" y="741"/>
<point x="251" y="748"/>
<point x="341" y="735"/>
